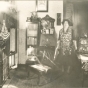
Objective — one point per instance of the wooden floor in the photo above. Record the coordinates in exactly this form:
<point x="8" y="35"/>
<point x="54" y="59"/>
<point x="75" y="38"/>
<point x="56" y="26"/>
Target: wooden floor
<point x="19" y="79"/>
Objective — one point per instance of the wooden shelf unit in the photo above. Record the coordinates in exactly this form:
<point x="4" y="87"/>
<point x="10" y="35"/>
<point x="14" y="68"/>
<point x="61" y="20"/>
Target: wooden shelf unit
<point x="32" y="34"/>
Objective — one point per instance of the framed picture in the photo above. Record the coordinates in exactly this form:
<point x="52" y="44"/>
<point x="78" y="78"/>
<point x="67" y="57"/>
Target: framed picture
<point x="58" y="18"/>
<point x="42" y="5"/>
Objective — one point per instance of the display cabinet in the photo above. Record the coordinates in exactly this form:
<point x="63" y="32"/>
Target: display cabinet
<point x="32" y="34"/>
<point x="47" y="36"/>
<point x="47" y="25"/>
<point x="47" y="40"/>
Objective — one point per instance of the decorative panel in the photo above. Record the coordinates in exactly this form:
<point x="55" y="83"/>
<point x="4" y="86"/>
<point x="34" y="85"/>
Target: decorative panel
<point x="47" y="40"/>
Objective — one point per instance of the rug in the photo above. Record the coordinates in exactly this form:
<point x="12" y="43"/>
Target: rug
<point x="19" y="79"/>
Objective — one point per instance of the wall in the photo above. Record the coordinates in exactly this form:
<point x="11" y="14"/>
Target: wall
<point x="55" y="6"/>
<point x="25" y="8"/>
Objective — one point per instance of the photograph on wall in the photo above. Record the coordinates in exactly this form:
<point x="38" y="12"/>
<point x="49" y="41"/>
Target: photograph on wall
<point x="58" y="18"/>
<point x="42" y="5"/>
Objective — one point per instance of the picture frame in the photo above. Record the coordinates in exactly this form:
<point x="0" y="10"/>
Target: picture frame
<point x="42" y="5"/>
<point x="58" y="18"/>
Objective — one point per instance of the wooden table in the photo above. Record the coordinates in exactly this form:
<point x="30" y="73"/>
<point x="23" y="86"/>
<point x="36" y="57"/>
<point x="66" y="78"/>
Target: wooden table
<point x="84" y="66"/>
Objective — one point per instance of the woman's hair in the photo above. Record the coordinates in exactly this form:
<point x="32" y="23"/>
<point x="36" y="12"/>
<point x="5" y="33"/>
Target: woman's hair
<point x="70" y="23"/>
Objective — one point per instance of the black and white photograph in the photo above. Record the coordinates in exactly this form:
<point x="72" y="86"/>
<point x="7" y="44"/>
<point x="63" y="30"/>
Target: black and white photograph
<point x="42" y="5"/>
<point x="43" y="43"/>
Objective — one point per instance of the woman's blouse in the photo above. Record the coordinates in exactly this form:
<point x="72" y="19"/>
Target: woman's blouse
<point x="66" y="41"/>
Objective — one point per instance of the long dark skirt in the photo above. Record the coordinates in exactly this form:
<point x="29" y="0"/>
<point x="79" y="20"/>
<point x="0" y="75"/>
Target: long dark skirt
<point x="64" y="59"/>
<point x="68" y="60"/>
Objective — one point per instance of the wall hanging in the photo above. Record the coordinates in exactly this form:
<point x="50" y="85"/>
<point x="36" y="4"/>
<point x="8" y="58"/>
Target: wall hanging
<point x="42" y="5"/>
<point x="58" y="18"/>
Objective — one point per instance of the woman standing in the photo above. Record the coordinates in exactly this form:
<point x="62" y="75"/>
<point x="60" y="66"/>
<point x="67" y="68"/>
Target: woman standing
<point x="65" y="46"/>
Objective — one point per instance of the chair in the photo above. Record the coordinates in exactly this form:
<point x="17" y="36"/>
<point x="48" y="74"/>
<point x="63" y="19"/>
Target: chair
<point x="36" y="67"/>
